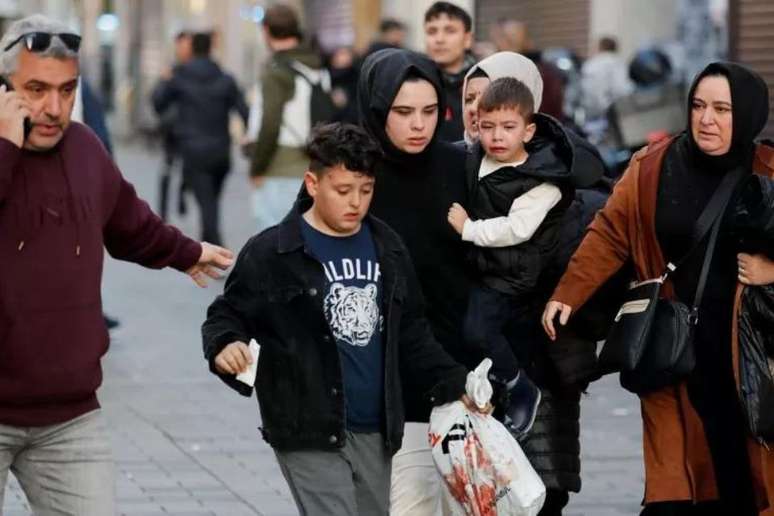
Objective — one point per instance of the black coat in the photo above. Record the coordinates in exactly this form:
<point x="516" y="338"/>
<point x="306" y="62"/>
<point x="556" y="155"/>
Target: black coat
<point x="452" y="126"/>
<point x="413" y="194"/>
<point x="753" y="219"/>
<point x="204" y="96"/>
<point x="273" y="295"/>
<point x="756" y="360"/>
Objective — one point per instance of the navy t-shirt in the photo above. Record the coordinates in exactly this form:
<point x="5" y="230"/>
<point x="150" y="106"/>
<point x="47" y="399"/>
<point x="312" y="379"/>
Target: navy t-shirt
<point x="352" y="306"/>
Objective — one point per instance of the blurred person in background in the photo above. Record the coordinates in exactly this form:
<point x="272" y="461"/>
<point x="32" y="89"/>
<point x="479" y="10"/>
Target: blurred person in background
<point x="88" y="109"/>
<point x="63" y="202"/>
<point x="205" y="96"/>
<point x="392" y="34"/>
<point x="169" y="125"/>
<point x="343" y="68"/>
<point x="285" y="111"/>
<point x="448" y="39"/>
<point x="605" y="78"/>
<point x="512" y="35"/>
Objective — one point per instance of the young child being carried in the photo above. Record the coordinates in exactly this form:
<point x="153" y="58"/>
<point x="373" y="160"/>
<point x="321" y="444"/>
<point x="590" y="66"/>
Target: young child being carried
<point x="519" y="177"/>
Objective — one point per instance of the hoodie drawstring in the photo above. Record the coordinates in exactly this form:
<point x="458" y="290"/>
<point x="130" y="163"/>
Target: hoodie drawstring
<point x="71" y="201"/>
<point x="22" y="233"/>
<point x="25" y="233"/>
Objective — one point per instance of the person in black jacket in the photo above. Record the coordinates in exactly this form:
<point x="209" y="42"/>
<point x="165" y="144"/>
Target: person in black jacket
<point x="517" y="201"/>
<point x="399" y="98"/>
<point x="332" y="297"/>
<point x="205" y="96"/>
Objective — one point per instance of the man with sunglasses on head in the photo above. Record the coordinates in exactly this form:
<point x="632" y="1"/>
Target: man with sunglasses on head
<point x="62" y="201"/>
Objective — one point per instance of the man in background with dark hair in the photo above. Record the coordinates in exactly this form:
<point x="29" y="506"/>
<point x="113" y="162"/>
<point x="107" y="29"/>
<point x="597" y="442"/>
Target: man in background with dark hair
<point x="392" y="34"/>
<point x="448" y="39"/>
<point x="278" y="158"/>
<point x="204" y="96"/>
<point x="331" y="296"/>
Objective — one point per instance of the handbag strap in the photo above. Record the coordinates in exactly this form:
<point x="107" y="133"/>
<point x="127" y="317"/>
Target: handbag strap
<point x="712" y="212"/>
<point x="711" y="217"/>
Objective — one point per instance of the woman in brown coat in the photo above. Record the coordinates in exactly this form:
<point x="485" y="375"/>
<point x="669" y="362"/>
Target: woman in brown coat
<point x="699" y="458"/>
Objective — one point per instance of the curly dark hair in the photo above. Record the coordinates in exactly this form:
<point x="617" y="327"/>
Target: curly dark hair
<point x="342" y="144"/>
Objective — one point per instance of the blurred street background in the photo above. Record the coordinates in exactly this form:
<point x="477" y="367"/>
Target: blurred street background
<point x="128" y="43"/>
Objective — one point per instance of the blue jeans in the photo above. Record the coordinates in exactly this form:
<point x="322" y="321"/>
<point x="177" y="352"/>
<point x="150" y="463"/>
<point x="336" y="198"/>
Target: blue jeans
<point x="491" y="315"/>
<point x="64" y="469"/>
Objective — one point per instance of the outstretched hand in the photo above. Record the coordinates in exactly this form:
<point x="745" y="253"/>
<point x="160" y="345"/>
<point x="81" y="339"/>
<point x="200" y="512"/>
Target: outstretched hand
<point x="212" y="259"/>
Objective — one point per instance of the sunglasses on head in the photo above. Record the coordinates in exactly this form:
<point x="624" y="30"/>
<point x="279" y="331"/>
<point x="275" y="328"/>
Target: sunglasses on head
<point x="40" y="41"/>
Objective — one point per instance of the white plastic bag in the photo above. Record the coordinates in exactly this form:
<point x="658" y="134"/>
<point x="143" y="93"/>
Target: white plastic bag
<point x="483" y="467"/>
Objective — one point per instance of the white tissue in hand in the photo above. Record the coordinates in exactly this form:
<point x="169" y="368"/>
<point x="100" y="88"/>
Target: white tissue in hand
<point x="248" y="376"/>
<point x="477" y="385"/>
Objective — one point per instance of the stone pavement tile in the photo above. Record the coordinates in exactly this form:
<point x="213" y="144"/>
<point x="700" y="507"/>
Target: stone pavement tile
<point x="169" y="495"/>
<point x="141" y="507"/>
<point x="226" y="508"/>
<point x="177" y="506"/>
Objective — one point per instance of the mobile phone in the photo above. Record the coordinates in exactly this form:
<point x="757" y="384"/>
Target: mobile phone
<point x="27" y="121"/>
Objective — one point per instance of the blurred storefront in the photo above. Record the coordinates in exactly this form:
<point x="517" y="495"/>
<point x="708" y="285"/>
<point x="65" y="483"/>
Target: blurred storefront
<point x="551" y="23"/>
<point x="751" y="42"/>
<point x="127" y="43"/>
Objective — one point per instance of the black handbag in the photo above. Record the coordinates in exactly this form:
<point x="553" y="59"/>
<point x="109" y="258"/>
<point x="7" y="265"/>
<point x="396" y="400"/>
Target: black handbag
<point x="651" y="340"/>
<point x="625" y="343"/>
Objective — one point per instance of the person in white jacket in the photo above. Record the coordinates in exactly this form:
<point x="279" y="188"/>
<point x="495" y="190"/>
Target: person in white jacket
<point x="604" y="79"/>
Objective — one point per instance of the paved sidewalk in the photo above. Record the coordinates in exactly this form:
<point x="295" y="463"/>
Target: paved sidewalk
<point x="186" y="444"/>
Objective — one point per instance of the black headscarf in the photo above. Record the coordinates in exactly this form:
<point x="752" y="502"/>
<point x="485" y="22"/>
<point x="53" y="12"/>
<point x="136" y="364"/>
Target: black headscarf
<point x="381" y="77"/>
<point x="750" y="110"/>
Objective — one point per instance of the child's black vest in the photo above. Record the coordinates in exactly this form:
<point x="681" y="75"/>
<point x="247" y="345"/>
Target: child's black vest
<point x="516" y="270"/>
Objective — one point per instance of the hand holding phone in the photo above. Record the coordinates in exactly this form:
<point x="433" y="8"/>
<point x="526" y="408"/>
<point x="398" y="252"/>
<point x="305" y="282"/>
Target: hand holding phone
<point x="15" y="123"/>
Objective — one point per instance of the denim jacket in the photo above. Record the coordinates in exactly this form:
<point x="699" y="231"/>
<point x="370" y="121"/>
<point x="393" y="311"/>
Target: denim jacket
<point x="274" y="294"/>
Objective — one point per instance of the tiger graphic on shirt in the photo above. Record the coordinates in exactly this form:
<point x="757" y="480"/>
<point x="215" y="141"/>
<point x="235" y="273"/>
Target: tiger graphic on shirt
<point x="353" y="313"/>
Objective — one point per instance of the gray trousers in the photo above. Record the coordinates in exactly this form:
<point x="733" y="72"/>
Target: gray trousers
<point x="352" y="481"/>
<point x="64" y="469"/>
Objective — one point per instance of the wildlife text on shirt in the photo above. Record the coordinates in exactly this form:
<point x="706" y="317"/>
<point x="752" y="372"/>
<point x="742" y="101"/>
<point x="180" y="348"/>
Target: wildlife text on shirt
<point x="352" y="307"/>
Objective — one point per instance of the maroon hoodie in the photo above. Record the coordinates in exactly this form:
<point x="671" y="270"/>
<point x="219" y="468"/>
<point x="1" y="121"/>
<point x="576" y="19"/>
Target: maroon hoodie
<point x="58" y="211"/>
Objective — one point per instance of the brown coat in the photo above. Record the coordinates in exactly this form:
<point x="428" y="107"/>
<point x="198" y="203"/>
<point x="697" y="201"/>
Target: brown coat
<point x="677" y="459"/>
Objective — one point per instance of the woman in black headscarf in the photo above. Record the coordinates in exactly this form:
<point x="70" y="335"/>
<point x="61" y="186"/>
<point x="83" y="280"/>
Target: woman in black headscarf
<point x="699" y="457"/>
<point x="399" y="99"/>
